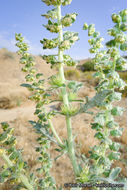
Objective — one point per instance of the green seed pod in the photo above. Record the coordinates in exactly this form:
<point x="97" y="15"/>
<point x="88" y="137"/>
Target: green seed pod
<point x="116" y="18"/>
<point x="123" y="27"/>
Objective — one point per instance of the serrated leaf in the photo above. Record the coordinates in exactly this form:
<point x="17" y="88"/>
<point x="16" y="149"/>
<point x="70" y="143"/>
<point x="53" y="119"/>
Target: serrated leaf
<point x="97" y="100"/>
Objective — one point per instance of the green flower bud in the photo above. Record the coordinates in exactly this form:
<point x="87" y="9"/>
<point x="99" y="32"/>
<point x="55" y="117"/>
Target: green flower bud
<point x="85" y="26"/>
<point x="120" y="38"/>
<point x="123" y="12"/>
<point x="92" y="50"/>
<point x="25" y="69"/>
<point x="33" y="71"/>
<point x="123" y="27"/>
<point x="91" y="41"/>
<point x="29" y="78"/>
<point x="116" y="18"/>
<point x="69" y="19"/>
<point x="20" y="52"/>
<point x="96" y="34"/>
<point x="66" y="2"/>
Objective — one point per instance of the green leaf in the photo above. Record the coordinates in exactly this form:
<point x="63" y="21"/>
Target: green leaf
<point x="111" y="43"/>
<point x="97" y="100"/>
<point x="115" y="96"/>
<point x="38" y="75"/>
<point x="111" y="124"/>
<point x="114" y="156"/>
<point x="117" y="111"/>
<point x="99" y="135"/>
<point x="115" y="173"/>
<point x="96" y="126"/>
<point x="123" y="47"/>
<point x="100" y="119"/>
<point x="115" y="133"/>
<point x="51" y="14"/>
<point x="75" y="86"/>
<point x="5" y="126"/>
<point x="114" y="146"/>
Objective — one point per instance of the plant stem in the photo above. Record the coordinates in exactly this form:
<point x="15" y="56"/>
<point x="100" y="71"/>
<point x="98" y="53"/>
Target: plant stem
<point x="22" y="177"/>
<point x="54" y="132"/>
<point x="71" y="150"/>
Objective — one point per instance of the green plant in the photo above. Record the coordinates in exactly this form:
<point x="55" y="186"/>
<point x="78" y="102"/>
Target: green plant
<point x="98" y="167"/>
<point x="87" y="66"/>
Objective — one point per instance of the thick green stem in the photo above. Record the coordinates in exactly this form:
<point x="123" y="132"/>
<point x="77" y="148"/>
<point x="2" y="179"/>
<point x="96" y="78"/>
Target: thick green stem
<point x="22" y="177"/>
<point x="71" y="150"/>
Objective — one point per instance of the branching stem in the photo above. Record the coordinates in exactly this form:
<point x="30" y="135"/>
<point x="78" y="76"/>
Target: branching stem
<point x="22" y="177"/>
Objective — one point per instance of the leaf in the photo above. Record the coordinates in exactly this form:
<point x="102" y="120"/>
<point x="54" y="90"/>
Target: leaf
<point x="123" y="47"/>
<point x="38" y="75"/>
<point x="26" y="85"/>
<point x="114" y="146"/>
<point x="100" y="119"/>
<point x="116" y="133"/>
<point x="97" y="100"/>
<point x="117" y="111"/>
<point x="99" y="135"/>
<point x="114" y="173"/>
<point x="114" y="156"/>
<point x="96" y="126"/>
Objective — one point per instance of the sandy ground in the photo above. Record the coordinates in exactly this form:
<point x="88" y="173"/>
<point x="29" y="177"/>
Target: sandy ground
<point x="16" y="109"/>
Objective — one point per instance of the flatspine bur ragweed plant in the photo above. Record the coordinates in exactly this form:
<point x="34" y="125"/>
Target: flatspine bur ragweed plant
<point x="107" y="63"/>
<point x="16" y="171"/>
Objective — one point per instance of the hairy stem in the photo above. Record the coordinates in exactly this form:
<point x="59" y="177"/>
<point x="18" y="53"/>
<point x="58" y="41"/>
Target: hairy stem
<point x="22" y="177"/>
<point x="71" y="150"/>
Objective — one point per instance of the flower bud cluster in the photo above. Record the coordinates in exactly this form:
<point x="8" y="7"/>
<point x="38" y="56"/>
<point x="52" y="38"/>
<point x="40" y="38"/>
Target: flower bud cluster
<point x="51" y="14"/>
<point x="8" y="143"/>
<point x="41" y="97"/>
<point x="120" y="38"/>
<point x="50" y="59"/>
<point x="49" y="44"/>
<point x="106" y="64"/>
<point x="69" y="61"/>
<point x="69" y="19"/>
<point x="57" y="2"/>
<point x="69" y="39"/>
<point x="52" y="27"/>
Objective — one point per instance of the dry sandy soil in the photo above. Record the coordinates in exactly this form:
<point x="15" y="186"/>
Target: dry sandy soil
<point x="16" y="109"/>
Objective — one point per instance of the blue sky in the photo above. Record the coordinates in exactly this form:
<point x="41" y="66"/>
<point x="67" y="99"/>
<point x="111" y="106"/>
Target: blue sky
<point x="23" y="16"/>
